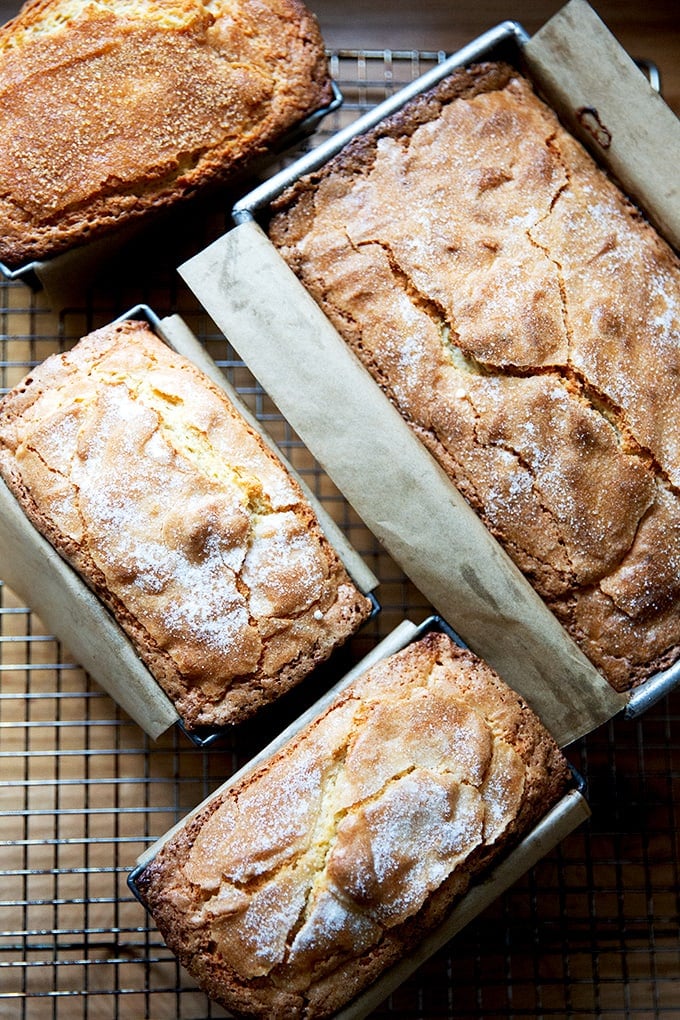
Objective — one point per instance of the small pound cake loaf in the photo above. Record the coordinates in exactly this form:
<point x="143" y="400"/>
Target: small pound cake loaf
<point x="294" y="888"/>
<point x="112" y="108"/>
<point x="144" y="476"/>
<point x="525" y="320"/>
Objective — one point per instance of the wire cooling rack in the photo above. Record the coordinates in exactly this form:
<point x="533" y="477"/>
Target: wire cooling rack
<point x="592" y="931"/>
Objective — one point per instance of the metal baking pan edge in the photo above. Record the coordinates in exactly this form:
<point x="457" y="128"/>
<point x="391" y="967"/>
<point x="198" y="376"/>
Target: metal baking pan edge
<point x="507" y="34"/>
<point x="565" y="816"/>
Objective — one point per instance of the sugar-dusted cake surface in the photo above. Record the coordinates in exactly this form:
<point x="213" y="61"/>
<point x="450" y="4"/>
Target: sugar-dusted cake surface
<point x="525" y="320"/>
<point x="296" y="886"/>
<point x="112" y="109"/>
<point x="147" y="479"/>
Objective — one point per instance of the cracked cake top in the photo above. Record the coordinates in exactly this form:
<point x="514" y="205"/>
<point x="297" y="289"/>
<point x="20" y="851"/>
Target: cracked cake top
<point x="525" y="320"/>
<point x="298" y="884"/>
<point x="147" y="479"/>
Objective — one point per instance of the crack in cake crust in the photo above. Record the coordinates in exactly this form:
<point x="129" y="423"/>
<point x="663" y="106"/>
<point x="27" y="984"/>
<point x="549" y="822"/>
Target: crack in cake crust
<point x="524" y="319"/>
<point x="149" y="482"/>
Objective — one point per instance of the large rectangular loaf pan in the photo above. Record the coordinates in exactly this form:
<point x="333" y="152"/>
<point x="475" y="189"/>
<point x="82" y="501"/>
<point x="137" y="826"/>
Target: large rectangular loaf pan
<point x="558" y="822"/>
<point x="68" y="607"/>
<point x="391" y="480"/>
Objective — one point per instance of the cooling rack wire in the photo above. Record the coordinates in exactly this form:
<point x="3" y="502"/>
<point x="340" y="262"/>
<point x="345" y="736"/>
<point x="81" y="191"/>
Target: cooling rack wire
<point x="593" y="930"/>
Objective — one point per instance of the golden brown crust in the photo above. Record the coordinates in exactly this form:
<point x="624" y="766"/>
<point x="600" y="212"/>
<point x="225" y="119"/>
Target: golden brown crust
<point x="149" y="482"/>
<point x="115" y="108"/>
<point x="525" y="320"/>
<point x="298" y="885"/>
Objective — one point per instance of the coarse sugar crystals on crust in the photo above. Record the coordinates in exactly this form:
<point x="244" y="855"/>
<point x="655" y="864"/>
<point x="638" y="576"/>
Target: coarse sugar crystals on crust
<point x="525" y="320"/>
<point x="110" y="109"/>
<point x="146" y="478"/>
<point x="296" y="886"/>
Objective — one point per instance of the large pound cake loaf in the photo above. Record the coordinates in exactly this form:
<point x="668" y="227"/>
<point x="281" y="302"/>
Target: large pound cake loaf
<point x="145" y="477"/>
<point x="296" y="886"/>
<point x="524" y="318"/>
<point x="112" y="108"/>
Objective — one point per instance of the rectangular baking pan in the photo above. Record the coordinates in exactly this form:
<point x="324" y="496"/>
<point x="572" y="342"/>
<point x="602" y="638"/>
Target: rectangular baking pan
<point x="562" y="819"/>
<point x="46" y="582"/>
<point x="68" y="273"/>
<point x="503" y="42"/>
<point x="508" y="41"/>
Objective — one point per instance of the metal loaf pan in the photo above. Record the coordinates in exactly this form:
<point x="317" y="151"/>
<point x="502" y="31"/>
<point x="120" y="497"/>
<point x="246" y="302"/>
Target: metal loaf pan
<point x="66" y="274"/>
<point x="570" y="812"/>
<point x="68" y="607"/>
<point x="503" y="42"/>
<point x="508" y="41"/>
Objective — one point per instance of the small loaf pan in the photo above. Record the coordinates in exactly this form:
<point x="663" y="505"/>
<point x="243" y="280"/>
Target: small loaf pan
<point x="65" y="275"/>
<point x="570" y="812"/>
<point x="523" y="641"/>
<point x="68" y="607"/>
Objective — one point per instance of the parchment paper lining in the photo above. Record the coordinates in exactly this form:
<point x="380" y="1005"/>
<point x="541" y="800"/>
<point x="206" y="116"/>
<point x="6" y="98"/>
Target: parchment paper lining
<point x="370" y="453"/>
<point x="393" y="482"/>
<point x="608" y="103"/>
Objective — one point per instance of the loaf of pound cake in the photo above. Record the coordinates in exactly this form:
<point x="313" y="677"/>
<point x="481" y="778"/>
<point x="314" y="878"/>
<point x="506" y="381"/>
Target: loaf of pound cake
<point x="110" y="109"/>
<point x="523" y="317"/>
<point x="297" y="885"/>
<point x="151" y="484"/>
